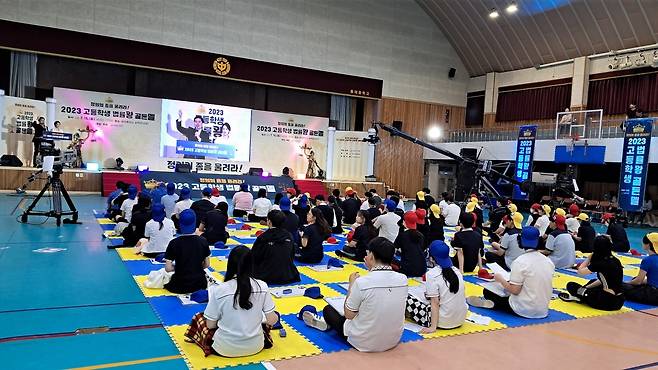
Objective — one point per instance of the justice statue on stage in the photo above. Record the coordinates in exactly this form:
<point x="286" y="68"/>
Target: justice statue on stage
<point x="312" y="164"/>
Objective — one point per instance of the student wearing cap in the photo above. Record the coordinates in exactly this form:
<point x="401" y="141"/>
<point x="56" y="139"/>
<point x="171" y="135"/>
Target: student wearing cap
<point x="158" y="192"/>
<point x="604" y="292"/>
<point x="243" y="201"/>
<point x="115" y="206"/>
<point x="213" y="227"/>
<point x="374" y="307"/>
<point x="617" y="232"/>
<point x="443" y="304"/>
<point x="187" y="256"/>
<point x="496" y="215"/>
<point x="203" y="206"/>
<point x="292" y="221"/>
<point x="337" y="227"/>
<point x="451" y="212"/>
<point x="436" y="223"/>
<point x="158" y="232"/>
<point x="239" y="308"/>
<point x="444" y="202"/>
<point x="120" y="189"/>
<point x="291" y="192"/>
<point x="574" y="210"/>
<point x="217" y="197"/>
<point x="316" y="232"/>
<point x="350" y="207"/>
<point x="477" y="222"/>
<point x="469" y="245"/>
<point x="420" y="201"/>
<point x="273" y="252"/>
<point x="127" y="205"/>
<point x="644" y="287"/>
<point x="534" y="214"/>
<point x="387" y="223"/>
<point x="302" y="209"/>
<point x="184" y="202"/>
<point x="339" y="199"/>
<point x="141" y="214"/>
<point x="543" y="221"/>
<point x="411" y="245"/>
<point x="505" y="252"/>
<point x="169" y="200"/>
<point x="260" y="207"/>
<point x="560" y="246"/>
<point x="422" y="226"/>
<point x="584" y="237"/>
<point x="530" y="286"/>
<point x="429" y="199"/>
<point x="355" y="249"/>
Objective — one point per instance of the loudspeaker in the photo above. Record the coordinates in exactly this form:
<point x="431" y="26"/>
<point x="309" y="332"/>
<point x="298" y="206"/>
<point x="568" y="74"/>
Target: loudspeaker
<point x="255" y="171"/>
<point x="10" y="160"/>
<point x="465" y="174"/>
<point x="183" y="168"/>
<point x="397" y="125"/>
<point x="451" y="73"/>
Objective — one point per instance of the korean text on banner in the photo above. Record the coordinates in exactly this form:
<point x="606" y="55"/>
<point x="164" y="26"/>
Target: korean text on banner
<point x="635" y="164"/>
<point x="525" y="152"/>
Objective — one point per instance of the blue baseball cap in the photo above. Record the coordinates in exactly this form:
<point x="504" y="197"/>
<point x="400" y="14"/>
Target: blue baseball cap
<point x="159" y="258"/>
<point x="158" y="212"/>
<point x="284" y="204"/>
<point x="171" y="188"/>
<point x="184" y="193"/>
<point x="221" y="245"/>
<point x="187" y="221"/>
<point x="334" y="262"/>
<point x="313" y="292"/>
<point x="390" y="205"/>
<point x="132" y="192"/>
<point x="308" y="308"/>
<point x="440" y="251"/>
<point x="529" y="237"/>
<point x="207" y="191"/>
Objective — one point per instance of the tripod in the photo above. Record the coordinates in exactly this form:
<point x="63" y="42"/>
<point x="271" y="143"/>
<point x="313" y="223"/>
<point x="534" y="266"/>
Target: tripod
<point x="58" y="190"/>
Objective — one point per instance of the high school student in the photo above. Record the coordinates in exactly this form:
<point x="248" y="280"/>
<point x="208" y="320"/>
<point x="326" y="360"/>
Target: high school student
<point x="584" y="237"/>
<point x="213" y="227"/>
<point x="436" y="223"/>
<point x="292" y="221"/>
<point x="243" y="201"/>
<point x="238" y="307"/>
<point x="350" y="207"/>
<point x="202" y="206"/>
<point x="617" y="233"/>
<point x="184" y="202"/>
<point x="169" y="200"/>
<point x="302" y="209"/>
<point x="444" y="306"/>
<point x="158" y="232"/>
<point x="273" y="252"/>
<point x="411" y="245"/>
<point x="560" y="246"/>
<point x="374" y="308"/>
<point x="505" y="252"/>
<point x="261" y="207"/>
<point x="451" y="212"/>
<point x="644" y="287"/>
<point x="468" y="244"/>
<point x="356" y="248"/>
<point x="316" y="232"/>
<point x="127" y="205"/>
<point x="387" y="223"/>
<point x="337" y="227"/>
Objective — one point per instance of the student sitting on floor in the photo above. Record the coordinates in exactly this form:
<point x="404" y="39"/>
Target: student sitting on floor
<point x="436" y="223"/>
<point x="560" y="246"/>
<point x="217" y="197"/>
<point x="543" y="222"/>
<point x="169" y="200"/>
<point x="127" y="205"/>
<point x="505" y="252"/>
<point x="363" y="234"/>
<point x="302" y="209"/>
<point x="273" y="252"/>
<point x="350" y="207"/>
<point x="141" y="214"/>
<point x="243" y="201"/>
<point x="584" y="237"/>
<point x="422" y="226"/>
<point x="158" y="193"/>
<point x="191" y="254"/>
<point x="261" y="207"/>
<point x="337" y="227"/>
<point x="121" y="188"/>
<point x="530" y="285"/>
<point x="387" y="223"/>
<point x="468" y="244"/>
<point x="158" y="232"/>
<point x="604" y="292"/>
<point x="115" y="206"/>
<point x="444" y="288"/>
<point x="292" y="221"/>
<point x="644" y="287"/>
<point x="411" y="246"/>
<point x="374" y="306"/>
<point x="617" y="233"/>
<point x="277" y="201"/>
<point x="315" y="233"/>
<point x="202" y="206"/>
<point x="184" y="202"/>
<point x="213" y="227"/>
<point x="238" y="307"/>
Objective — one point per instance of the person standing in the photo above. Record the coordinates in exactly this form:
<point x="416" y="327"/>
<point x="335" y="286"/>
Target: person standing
<point x="39" y="128"/>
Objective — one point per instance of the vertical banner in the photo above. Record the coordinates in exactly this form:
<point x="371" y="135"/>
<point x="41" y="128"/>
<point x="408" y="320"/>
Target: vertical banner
<point x="635" y="164"/>
<point x="289" y="140"/>
<point x="17" y="117"/>
<point x="350" y="156"/>
<point x="525" y="152"/>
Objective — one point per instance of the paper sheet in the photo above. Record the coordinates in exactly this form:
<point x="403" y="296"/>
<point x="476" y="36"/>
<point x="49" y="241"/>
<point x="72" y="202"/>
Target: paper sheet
<point x="412" y="326"/>
<point x="345" y="286"/>
<point x="324" y="268"/>
<point x="153" y="261"/>
<point x="185" y="300"/>
<point x="496" y="288"/>
<point x="338" y="303"/>
<point x="479" y="319"/>
<point x="497" y="270"/>
<point x="288" y="291"/>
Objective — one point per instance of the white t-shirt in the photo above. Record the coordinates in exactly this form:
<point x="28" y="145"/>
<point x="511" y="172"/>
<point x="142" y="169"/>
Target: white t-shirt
<point x="182" y="205"/>
<point x="452" y="212"/>
<point x="364" y="205"/>
<point x="563" y="250"/>
<point x="127" y="208"/>
<point x="158" y="238"/>
<point x="572" y="225"/>
<point x="217" y="200"/>
<point x="443" y="204"/>
<point x="534" y="272"/>
<point x="401" y="204"/>
<point x="262" y="206"/>
<point x="542" y="224"/>
<point x="452" y="306"/>
<point x="169" y="202"/>
<point x="239" y="332"/>
<point x="388" y="226"/>
<point x="380" y="299"/>
<point x="510" y="243"/>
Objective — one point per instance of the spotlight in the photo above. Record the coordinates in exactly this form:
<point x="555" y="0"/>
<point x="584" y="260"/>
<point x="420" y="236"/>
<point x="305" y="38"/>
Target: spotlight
<point x="493" y="14"/>
<point x="511" y="8"/>
<point x="119" y="164"/>
<point x="434" y="133"/>
<point x="92" y="166"/>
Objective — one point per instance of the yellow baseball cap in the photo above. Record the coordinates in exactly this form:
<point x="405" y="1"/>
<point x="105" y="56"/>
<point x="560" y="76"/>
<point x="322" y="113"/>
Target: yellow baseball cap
<point x="348" y="189"/>
<point x="583" y="217"/>
<point x="474" y="199"/>
<point x="436" y="210"/>
<point x="560" y="212"/>
<point x="421" y="195"/>
<point x="547" y="209"/>
<point x="470" y="207"/>
<point x="512" y="207"/>
<point x="653" y="238"/>
<point x="517" y="217"/>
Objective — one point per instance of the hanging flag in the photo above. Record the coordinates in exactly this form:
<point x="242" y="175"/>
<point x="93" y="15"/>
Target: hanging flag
<point x="635" y="164"/>
<point x="525" y="152"/>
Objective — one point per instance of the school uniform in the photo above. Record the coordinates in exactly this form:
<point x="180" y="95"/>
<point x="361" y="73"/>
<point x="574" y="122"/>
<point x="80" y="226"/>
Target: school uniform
<point x="261" y="207"/>
<point x="451" y="214"/>
<point x="562" y="248"/>
<point x="587" y="234"/>
<point x="350" y="209"/>
<point x="388" y="227"/>
<point x="471" y="244"/>
<point x="158" y="238"/>
<point x="188" y="252"/>
<point x="452" y="306"/>
<point x="127" y="208"/>
<point x="435" y="231"/>
<point x="273" y="254"/>
<point x="412" y="253"/>
<point x="169" y="202"/>
<point x="201" y="207"/>
<point x="214" y="227"/>
<point x="313" y="252"/>
<point x="510" y="244"/>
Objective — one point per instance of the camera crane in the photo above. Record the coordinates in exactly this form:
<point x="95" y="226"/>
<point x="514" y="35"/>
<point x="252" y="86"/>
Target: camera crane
<point x="485" y="175"/>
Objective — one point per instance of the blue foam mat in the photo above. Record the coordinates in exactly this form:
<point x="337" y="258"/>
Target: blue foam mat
<point x="512" y="320"/>
<point x="141" y="267"/>
<point x="304" y="280"/>
<point x="172" y="312"/>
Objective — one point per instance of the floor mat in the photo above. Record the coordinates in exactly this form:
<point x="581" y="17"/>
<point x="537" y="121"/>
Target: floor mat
<point x="292" y="305"/>
<point x="333" y="276"/>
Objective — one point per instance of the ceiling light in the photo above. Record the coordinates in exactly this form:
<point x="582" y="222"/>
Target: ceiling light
<point x="511" y="8"/>
<point x="494" y="14"/>
<point x="434" y="133"/>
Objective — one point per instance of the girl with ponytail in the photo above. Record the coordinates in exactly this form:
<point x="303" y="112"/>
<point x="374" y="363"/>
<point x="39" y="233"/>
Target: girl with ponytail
<point x="314" y="234"/>
<point x="158" y="232"/>
<point x="236" y="308"/>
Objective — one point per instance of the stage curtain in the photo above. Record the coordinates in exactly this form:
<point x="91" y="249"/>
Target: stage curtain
<point x="342" y="112"/>
<point x="535" y="103"/>
<point x="613" y="95"/>
<point x="23" y="73"/>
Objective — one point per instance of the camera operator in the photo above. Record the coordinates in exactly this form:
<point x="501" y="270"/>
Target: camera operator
<point x="39" y="128"/>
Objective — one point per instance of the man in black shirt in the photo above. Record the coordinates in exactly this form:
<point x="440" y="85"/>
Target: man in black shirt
<point x="617" y="233"/>
<point x="273" y="252"/>
<point x="584" y="238"/>
<point x="292" y="221"/>
<point x="39" y="128"/>
<point x="429" y="200"/>
<point x="190" y="253"/>
<point x="214" y="224"/>
<point x="203" y="206"/>
<point x="350" y="207"/>
<point x="196" y="133"/>
<point x="468" y="244"/>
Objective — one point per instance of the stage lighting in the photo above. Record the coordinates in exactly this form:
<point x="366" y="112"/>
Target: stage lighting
<point x="119" y="164"/>
<point x="493" y="14"/>
<point x="265" y="174"/>
<point x="142" y="167"/>
<point x="92" y="166"/>
<point x="434" y="133"/>
<point x="511" y="8"/>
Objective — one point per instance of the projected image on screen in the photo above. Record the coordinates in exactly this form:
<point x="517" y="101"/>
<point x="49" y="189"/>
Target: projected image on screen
<point x="204" y="131"/>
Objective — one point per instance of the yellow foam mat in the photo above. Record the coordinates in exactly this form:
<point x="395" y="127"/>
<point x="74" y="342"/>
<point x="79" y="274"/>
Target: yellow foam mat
<point x="631" y="271"/>
<point x="149" y="292"/>
<point x="580" y="310"/>
<point x="230" y="241"/>
<point x="293" y="345"/>
<point x="294" y="304"/>
<point x="217" y="264"/>
<point x="105" y="221"/>
<point x="471" y="289"/>
<point x="333" y="276"/>
<point x="560" y="280"/>
<point x="626" y="260"/>
<point x="344" y="260"/>
<point x="128" y="254"/>
<point x="466" y="328"/>
<point x="243" y="233"/>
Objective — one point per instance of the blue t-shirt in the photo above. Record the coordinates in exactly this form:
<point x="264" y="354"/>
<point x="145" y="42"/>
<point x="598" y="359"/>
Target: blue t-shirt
<point x="650" y="265"/>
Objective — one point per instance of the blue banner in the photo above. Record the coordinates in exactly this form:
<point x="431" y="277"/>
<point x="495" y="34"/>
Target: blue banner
<point x="203" y="149"/>
<point x="580" y="154"/>
<point x="227" y="184"/>
<point x="635" y="164"/>
<point x="525" y="152"/>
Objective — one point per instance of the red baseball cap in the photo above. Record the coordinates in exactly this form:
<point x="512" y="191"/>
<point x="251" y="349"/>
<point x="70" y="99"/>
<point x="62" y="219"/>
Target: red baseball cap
<point x="607" y="216"/>
<point x="215" y="192"/>
<point x="349" y="192"/>
<point x="536" y="206"/>
<point x="421" y="213"/>
<point x="410" y="220"/>
<point x="559" y="221"/>
<point x="574" y="210"/>
<point x="291" y="191"/>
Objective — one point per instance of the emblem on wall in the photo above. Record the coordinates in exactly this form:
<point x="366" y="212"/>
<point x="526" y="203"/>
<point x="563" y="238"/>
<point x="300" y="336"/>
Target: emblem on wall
<point x="221" y="66"/>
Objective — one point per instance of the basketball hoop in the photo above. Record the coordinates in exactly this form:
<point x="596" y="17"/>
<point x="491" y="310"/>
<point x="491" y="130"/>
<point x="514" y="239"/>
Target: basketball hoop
<point x="571" y="142"/>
